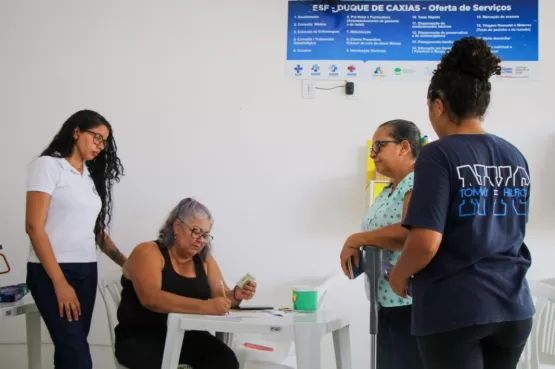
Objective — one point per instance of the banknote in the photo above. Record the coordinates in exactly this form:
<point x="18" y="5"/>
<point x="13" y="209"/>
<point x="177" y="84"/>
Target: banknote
<point x="246" y="277"/>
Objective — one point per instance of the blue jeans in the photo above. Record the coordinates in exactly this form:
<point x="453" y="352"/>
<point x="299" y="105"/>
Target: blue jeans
<point x="397" y="347"/>
<point x="71" y="348"/>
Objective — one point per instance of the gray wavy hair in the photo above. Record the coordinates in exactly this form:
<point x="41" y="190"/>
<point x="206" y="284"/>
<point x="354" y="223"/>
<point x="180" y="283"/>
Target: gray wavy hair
<point x="186" y="209"/>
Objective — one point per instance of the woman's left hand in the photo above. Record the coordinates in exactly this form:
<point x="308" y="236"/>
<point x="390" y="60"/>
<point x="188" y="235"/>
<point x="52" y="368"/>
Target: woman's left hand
<point x="246" y="292"/>
<point x="398" y="283"/>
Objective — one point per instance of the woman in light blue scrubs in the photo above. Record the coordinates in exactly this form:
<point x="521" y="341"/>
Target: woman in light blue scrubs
<point x="396" y="145"/>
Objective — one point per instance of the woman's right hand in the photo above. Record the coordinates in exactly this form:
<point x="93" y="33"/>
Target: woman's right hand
<point x="67" y="301"/>
<point x="218" y="306"/>
<point x="350" y="249"/>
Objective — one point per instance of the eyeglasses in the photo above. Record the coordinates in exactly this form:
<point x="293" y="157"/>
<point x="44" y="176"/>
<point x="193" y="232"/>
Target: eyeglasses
<point x="196" y="233"/>
<point x="377" y="145"/>
<point x="97" y="138"/>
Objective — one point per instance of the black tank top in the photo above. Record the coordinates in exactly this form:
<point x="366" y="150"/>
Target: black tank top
<point x="133" y="316"/>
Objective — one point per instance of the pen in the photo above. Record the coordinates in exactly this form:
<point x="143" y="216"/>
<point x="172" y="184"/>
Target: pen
<point x="275" y="313"/>
<point x="223" y="289"/>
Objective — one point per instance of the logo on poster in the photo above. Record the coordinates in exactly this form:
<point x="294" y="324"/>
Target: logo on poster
<point x="315" y="70"/>
<point x="506" y="70"/>
<point x="298" y="70"/>
<point x="378" y="72"/>
<point x="333" y="70"/>
<point x="398" y="71"/>
<point x="518" y="72"/>
<point x="352" y="70"/>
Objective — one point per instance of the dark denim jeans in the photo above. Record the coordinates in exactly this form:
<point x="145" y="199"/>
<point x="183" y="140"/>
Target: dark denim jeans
<point x="71" y="348"/>
<point x="397" y="347"/>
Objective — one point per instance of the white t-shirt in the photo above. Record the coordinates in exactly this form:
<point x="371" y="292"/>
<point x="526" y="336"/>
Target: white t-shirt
<point x="74" y="208"/>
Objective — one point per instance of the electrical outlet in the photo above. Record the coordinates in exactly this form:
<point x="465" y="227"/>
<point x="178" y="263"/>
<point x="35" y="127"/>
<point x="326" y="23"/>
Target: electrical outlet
<point x="308" y="89"/>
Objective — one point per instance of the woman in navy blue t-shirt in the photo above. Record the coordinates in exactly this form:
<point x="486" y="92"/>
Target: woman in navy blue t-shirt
<point x="467" y="217"/>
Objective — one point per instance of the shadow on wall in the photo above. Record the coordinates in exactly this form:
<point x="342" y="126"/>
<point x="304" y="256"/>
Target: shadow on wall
<point x="540" y="160"/>
<point x="338" y="204"/>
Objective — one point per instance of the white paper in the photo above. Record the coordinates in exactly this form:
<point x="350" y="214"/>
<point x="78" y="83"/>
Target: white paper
<point x="238" y="315"/>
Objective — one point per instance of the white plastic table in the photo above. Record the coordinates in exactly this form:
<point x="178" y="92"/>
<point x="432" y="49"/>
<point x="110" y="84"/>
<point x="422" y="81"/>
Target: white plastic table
<point x="27" y="307"/>
<point x="305" y="329"/>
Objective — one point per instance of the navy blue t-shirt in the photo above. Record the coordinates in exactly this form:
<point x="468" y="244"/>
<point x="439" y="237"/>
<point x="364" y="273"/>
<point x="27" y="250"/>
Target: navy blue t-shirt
<point x="475" y="190"/>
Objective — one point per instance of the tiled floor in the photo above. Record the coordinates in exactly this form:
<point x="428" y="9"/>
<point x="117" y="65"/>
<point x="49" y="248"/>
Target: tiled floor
<point x="14" y="356"/>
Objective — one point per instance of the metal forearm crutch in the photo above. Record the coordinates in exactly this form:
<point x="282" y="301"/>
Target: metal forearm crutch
<point x="372" y="264"/>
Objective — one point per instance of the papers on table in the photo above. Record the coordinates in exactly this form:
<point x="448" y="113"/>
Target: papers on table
<point x="238" y="315"/>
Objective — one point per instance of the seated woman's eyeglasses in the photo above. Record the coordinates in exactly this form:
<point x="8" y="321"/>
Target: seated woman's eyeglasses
<point x="197" y="233"/>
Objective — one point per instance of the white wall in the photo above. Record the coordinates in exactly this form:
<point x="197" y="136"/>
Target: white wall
<point x="201" y="107"/>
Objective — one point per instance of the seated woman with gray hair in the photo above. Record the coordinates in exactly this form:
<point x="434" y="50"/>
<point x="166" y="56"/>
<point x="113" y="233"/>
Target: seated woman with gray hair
<point x="175" y="274"/>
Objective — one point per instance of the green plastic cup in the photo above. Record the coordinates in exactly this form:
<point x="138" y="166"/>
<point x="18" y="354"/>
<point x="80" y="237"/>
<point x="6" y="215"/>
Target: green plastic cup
<point x="305" y="298"/>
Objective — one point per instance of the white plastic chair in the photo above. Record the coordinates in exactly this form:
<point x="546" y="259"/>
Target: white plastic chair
<point x="546" y="328"/>
<point x="283" y="355"/>
<point x="539" y="352"/>
<point x="110" y="290"/>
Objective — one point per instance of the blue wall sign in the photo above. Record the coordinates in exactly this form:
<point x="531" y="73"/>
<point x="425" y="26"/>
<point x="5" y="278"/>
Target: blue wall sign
<point x="405" y="39"/>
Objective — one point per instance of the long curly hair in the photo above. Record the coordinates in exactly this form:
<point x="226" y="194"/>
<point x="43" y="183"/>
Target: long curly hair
<point x="105" y="168"/>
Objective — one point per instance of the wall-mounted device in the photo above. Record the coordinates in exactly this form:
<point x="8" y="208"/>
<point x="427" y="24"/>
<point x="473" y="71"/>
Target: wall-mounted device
<point x="309" y="89"/>
<point x="349" y="88"/>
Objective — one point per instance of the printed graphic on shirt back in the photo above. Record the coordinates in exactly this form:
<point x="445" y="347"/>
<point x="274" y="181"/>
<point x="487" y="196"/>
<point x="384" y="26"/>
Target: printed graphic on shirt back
<point x="493" y="190"/>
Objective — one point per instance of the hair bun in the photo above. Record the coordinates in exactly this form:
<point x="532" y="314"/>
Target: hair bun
<point x="472" y="57"/>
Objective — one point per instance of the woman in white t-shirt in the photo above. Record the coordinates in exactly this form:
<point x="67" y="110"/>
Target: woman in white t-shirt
<point x="69" y="203"/>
